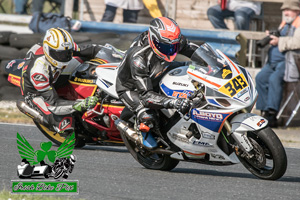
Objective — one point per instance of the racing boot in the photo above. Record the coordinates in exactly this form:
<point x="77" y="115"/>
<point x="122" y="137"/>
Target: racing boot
<point x="147" y="123"/>
<point x="147" y="140"/>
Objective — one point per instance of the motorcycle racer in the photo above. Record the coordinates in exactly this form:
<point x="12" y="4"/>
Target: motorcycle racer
<point x="150" y="56"/>
<point x="43" y="65"/>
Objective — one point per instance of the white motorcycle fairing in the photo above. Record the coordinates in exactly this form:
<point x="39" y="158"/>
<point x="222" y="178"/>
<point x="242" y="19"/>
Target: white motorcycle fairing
<point x="227" y="94"/>
<point x="106" y="78"/>
<point x="248" y="122"/>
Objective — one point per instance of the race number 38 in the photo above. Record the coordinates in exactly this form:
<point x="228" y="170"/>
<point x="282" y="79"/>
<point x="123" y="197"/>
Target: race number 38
<point x="234" y="86"/>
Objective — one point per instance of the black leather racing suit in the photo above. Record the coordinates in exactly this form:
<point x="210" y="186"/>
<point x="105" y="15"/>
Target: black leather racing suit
<point x="140" y="72"/>
<point x="37" y="81"/>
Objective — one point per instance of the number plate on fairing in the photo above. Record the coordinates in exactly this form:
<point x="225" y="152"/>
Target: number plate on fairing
<point x="234" y="86"/>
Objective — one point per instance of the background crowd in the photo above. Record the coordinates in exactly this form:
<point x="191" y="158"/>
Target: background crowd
<point x="278" y="68"/>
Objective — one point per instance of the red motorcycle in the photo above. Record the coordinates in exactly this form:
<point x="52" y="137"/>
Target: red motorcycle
<point x="82" y="79"/>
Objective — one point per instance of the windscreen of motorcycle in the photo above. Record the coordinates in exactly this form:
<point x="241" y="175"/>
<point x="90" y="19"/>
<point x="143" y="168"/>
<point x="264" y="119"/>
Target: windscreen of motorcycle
<point x="110" y="54"/>
<point x="209" y="62"/>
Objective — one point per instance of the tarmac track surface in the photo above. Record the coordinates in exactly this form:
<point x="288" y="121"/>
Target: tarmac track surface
<point x="106" y="172"/>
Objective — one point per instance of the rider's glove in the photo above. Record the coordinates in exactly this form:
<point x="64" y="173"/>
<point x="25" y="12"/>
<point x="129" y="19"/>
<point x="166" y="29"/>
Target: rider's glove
<point x="87" y="103"/>
<point x="182" y="105"/>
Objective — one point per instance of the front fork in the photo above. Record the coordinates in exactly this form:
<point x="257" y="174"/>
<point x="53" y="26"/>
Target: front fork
<point x="238" y="128"/>
<point x="241" y="139"/>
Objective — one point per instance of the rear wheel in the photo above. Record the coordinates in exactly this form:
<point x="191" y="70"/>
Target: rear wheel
<point x="56" y="138"/>
<point x="269" y="161"/>
<point x="148" y="159"/>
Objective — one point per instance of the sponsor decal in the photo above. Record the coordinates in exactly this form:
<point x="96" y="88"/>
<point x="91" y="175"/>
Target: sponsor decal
<point x="246" y="140"/>
<point x="200" y="143"/>
<point x="244" y="91"/>
<point x="175" y="136"/>
<point x="82" y="80"/>
<point x="208" y="135"/>
<point x="261" y="122"/>
<point x="180" y="94"/>
<point x="21" y="65"/>
<point x="65" y="123"/>
<point x="48" y="38"/>
<point x="225" y="73"/>
<point x="39" y="78"/>
<point x="247" y="99"/>
<point x="180" y="84"/>
<point x="44" y="163"/>
<point x="207" y="115"/>
<point x="10" y="64"/>
<point x="66" y="44"/>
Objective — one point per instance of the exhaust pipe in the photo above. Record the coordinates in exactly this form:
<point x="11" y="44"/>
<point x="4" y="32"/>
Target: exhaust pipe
<point x="133" y="136"/>
<point x="130" y="133"/>
<point x="35" y="115"/>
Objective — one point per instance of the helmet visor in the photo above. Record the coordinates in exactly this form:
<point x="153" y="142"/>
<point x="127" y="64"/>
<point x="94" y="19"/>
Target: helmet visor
<point x="61" y="55"/>
<point x="167" y="49"/>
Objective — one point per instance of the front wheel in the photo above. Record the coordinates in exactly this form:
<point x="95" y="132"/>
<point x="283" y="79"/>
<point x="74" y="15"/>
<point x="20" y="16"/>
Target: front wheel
<point x="148" y="159"/>
<point x="269" y="161"/>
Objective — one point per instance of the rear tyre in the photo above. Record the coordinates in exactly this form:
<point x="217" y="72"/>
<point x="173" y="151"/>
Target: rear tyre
<point x="150" y="160"/>
<point x="56" y="138"/>
<point x="270" y="160"/>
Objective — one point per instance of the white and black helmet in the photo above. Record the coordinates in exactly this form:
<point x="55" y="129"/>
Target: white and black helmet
<point x="58" y="47"/>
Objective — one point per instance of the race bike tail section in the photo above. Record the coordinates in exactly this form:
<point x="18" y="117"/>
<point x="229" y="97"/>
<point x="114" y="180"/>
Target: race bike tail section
<point x="219" y="129"/>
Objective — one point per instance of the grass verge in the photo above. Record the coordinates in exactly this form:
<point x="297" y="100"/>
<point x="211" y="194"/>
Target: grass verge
<point x="9" y="115"/>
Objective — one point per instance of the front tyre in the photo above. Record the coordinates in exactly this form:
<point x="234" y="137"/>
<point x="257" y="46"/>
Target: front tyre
<point x="269" y="161"/>
<point x="148" y="159"/>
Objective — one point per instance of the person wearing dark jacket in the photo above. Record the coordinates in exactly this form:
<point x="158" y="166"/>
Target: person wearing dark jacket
<point x="150" y="55"/>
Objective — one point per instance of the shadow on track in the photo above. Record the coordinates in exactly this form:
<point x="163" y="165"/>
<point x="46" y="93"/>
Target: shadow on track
<point x="230" y="174"/>
<point x="119" y="149"/>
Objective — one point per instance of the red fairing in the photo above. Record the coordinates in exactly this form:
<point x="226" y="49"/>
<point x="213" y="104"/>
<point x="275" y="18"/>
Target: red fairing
<point x="112" y="132"/>
<point x="83" y="90"/>
<point x="68" y="92"/>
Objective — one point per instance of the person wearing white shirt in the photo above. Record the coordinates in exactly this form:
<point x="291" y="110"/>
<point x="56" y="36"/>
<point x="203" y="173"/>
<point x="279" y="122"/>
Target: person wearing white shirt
<point x="130" y="8"/>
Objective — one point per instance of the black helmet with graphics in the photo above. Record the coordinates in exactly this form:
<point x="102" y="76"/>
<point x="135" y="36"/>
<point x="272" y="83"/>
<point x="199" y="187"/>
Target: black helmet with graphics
<point x="164" y="38"/>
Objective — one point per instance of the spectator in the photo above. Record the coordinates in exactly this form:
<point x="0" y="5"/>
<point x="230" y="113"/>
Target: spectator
<point x="131" y="9"/>
<point x="269" y="81"/>
<point x="38" y="5"/>
<point x="242" y="11"/>
<point x="20" y="6"/>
